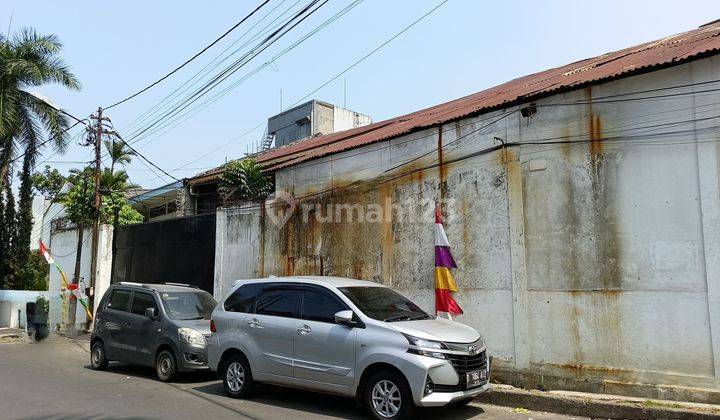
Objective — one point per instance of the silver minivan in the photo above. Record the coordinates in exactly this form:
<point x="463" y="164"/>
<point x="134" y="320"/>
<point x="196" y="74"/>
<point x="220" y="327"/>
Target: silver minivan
<point x="348" y="337"/>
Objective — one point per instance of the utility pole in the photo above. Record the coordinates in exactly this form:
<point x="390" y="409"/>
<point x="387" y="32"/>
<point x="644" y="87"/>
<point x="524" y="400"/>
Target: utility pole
<point x="99" y="131"/>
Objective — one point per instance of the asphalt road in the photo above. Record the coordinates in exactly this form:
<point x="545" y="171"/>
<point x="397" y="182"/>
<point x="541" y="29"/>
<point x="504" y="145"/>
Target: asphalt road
<point x="53" y="380"/>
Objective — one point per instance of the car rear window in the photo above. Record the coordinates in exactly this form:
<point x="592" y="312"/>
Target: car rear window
<point x="242" y="299"/>
<point x="119" y="300"/>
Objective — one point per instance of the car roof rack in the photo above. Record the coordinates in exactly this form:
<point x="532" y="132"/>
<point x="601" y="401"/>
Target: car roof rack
<point x="130" y="283"/>
<point x="180" y="284"/>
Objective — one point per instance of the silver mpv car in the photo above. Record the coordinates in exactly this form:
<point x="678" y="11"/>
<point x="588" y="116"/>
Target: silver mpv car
<point x="348" y="337"/>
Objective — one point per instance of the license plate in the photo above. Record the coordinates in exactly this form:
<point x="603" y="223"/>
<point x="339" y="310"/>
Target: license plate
<point x="475" y="378"/>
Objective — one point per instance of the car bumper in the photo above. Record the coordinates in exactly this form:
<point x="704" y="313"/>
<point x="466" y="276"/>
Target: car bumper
<point x="192" y="357"/>
<point x="447" y="385"/>
<point x="443" y="398"/>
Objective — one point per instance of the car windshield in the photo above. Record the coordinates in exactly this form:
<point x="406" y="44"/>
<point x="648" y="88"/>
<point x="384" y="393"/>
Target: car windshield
<point x="196" y="304"/>
<point x="384" y="304"/>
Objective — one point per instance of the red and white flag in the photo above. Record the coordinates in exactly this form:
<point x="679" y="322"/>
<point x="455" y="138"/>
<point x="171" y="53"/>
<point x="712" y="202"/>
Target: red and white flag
<point x="46" y="253"/>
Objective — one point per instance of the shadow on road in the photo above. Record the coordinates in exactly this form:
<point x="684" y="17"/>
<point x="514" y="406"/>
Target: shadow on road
<point x="318" y="403"/>
<point x="149" y="373"/>
<point x="206" y="382"/>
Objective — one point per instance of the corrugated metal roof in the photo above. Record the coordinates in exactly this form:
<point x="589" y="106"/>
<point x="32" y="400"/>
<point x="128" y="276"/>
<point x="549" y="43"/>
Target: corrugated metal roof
<point x="643" y="58"/>
<point x="667" y="51"/>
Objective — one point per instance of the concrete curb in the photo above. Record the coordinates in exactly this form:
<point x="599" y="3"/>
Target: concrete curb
<point x="589" y="405"/>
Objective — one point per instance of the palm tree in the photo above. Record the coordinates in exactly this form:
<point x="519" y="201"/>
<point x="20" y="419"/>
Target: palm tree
<point x="119" y="152"/>
<point x="27" y="61"/>
<point x="117" y="181"/>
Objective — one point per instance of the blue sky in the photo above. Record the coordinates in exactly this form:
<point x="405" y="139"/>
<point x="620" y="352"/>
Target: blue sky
<point x="116" y="48"/>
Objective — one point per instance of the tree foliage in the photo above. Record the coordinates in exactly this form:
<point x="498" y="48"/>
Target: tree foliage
<point x="244" y="180"/>
<point x="29" y="60"/>
<point x="27" y="122"/>
<point x="119" y="153"/>
<point x="79" y="200"/>
<point x="48" y="183"/>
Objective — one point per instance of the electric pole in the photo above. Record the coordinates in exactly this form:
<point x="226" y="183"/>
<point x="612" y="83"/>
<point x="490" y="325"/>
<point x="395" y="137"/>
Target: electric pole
<point x="99" y="131"/>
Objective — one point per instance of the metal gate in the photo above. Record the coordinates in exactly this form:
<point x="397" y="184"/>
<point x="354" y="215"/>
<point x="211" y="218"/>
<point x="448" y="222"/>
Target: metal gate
<point x="180" y="250"/>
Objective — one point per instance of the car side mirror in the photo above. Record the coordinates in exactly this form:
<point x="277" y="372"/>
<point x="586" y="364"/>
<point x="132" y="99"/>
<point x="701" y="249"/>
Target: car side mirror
<point x="345" y="318"/>
<point x="150" y="312"/>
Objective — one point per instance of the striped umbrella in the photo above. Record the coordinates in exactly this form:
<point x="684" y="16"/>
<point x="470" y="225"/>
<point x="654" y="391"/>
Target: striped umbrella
<point x="445" y="285"/>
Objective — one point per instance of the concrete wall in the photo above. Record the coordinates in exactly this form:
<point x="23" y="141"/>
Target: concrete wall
<point x="315" y="117"/>
<point x="345" y="119"/>
<point x="39" y="205"/>
<point x="12" y="307"/>
<point x="63" y="246"/>
<point x="588" y="263"/>
<point x="237" y="246"/>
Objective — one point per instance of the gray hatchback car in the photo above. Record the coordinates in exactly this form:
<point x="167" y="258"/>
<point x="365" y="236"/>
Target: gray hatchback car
<point x="160" y="325"/>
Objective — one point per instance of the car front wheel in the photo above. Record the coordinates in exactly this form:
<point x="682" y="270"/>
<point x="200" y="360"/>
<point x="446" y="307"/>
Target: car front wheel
<point x="165" y="365"/>
<point x="388" y="396"/>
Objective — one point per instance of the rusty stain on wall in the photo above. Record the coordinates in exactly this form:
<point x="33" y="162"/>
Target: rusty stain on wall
<point x="388" y="240"/>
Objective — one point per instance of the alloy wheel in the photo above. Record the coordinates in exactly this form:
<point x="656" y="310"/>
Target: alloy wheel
<point x="235" y="376"/>
<point x="386" y="399"/>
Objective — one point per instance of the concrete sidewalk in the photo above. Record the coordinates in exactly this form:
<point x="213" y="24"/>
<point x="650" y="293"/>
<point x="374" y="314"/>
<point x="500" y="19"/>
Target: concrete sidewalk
<point x="9" y="335"/>
<point x="597" y="405"/>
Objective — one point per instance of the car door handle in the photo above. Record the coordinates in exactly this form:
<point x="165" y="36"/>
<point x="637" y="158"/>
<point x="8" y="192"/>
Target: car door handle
<point x="254" y="323"/>
<point x="304" y="330"/>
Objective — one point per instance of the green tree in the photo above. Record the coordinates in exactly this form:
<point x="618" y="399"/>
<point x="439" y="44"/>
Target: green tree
<point x="115" y="209"/>
<point x="244" y="180"/>
<point x="49" y="182"/>
<point x="119" y="153"/>
<point x="34" y="274"/>
<point x="9" y="260"/>
<point x="29" y="60"/>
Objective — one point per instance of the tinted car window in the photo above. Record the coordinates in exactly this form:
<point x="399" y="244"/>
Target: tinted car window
<point x="384" y="304"/>
<point x="119" y="300"/>
<point x="320" y="305"/>
<point x="142" y="301"/>
<point x="243" y="298"/>
<point x="279" y="302"/>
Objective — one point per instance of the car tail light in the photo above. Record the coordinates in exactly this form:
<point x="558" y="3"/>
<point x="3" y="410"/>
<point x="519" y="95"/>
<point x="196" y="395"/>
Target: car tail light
<point x="212" y="326"/>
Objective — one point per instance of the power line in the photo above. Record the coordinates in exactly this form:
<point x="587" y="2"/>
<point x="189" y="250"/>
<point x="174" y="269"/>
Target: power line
<point x="299" y="17"/>
<point x="143" y="156"/>
<point x="210" y="66"/>
<point x="407" y="28"/>
<point x="52" y="138"/>
<point x="191" y="58"/>
<point x="357" y="62"/>
<point x="180" y="118"/>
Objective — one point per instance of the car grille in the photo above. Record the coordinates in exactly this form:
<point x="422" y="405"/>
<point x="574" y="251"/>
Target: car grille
<point x="465" y="363"/>
<point x="462" y="365"/>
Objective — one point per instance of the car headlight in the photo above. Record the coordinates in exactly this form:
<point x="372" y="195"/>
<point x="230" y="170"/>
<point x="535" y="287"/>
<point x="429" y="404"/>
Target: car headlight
<point x="191" y="336"/>
<point x="425" y="347"/>
<point x="480" y="343"/>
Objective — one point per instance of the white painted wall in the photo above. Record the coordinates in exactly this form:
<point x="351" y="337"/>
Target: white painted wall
<point x="237" y="246"/>
<point x="63" y="246"/>
<point x="12" y="307"/>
